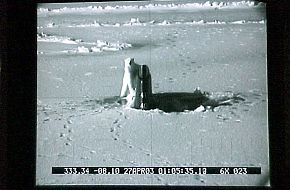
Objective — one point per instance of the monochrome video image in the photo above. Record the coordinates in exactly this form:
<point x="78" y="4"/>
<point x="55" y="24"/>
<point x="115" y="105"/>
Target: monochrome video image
<point x="168" y="92"/>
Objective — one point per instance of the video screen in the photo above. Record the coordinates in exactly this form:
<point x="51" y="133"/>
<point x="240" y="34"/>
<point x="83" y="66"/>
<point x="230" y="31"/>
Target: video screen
<point x="152" y="93"/>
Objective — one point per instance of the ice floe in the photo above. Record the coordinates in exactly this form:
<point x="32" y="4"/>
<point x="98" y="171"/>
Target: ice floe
<point x="134" y="22"/>
<point x="137" y="22"/>
<point x="162" y="6"/>
<point x="42" y="37"/>
<point x="84" y="47"/>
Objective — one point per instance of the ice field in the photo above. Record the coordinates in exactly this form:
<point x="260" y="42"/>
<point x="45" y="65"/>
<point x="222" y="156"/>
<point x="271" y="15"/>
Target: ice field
<point x="219" y="47"/>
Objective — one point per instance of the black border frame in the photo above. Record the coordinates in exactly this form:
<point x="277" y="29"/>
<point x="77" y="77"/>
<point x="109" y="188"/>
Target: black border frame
<point x="18" y="97"/>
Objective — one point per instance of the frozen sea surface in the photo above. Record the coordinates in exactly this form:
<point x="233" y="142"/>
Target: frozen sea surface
<point x="219" y="47"/>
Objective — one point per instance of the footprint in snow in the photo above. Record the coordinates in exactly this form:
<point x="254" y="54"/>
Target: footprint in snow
<point x="93" y="152"/>
<point x="112" y="129"/>
<point x="116" y="121"/>
<point x="148" y="154"/>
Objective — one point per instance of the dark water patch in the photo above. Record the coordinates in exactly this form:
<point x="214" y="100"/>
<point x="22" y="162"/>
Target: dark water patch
<point x="185" y="101"/>
<point x="178" y="101"/>
<point x="171" y="101"/>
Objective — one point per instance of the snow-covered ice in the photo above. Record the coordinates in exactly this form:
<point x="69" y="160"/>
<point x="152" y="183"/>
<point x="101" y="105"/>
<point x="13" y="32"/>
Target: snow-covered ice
<point x="217" y="46"/>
